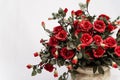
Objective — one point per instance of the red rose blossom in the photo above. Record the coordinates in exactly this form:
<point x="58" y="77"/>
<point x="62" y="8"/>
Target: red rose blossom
<point x="111" y="27"/>
<point x="99" y="26"/>
<point x="85" y="25"/>
<point x="78" y="12"/>
<point x="97" y="39"/>
<point x="104" y="16"/>
<point x="110" y="42"/>
<point x="49" y="67"/>
<point x="117" y="51"/>
<point x="57" y="29"/>
<point x="53" y="51"/>
<point x="62" y="35"/>
<point x="86" y="39"/>
<point x="67" y="54"/>
<point x="98" y="52"/>
<point x="53" y="41"/>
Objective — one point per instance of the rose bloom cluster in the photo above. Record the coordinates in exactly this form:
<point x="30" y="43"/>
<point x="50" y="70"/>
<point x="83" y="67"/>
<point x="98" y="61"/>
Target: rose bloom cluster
<point x="81" y="39"/>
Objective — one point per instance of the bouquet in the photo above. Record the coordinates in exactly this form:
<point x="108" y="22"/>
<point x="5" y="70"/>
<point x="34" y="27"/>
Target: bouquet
<point x="80" y="40"/>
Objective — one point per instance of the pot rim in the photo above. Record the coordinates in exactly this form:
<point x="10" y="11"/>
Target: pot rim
<point x="89" y="70"/>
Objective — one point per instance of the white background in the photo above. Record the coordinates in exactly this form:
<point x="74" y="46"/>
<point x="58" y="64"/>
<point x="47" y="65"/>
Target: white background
<point x="20" y="32"/>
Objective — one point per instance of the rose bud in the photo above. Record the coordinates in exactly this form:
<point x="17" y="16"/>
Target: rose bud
<point x="117" y="22"/>
<point x="29" y="66"/>
<point x="41" y="41"/>
<point x="75" y="60"/>
<point x="56" y="54"/>
<point x="41" y="63"/>
<point x="55" y="73"/>
<point x="43" y="24"/>
<point x="87" y="1"/>
<point x="69" y="67"/>
<point x="50" y="18"/>
<point x="114" y="65"/>
<point x="103" y="45"/>
<point x="72" y="12"/>
<point x="79" y="47"/>
<point x="36" y="54"/>
<point x="65" y="10"/>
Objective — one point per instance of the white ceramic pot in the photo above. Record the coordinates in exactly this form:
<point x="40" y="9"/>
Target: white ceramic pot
<point x="87" y="74"/>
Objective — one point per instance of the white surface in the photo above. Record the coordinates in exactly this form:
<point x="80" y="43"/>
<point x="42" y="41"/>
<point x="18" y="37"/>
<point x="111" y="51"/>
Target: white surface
<point x="20" y="32"/>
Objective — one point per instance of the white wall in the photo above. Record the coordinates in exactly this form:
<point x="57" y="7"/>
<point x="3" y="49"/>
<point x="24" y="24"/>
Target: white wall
<point x="20" y="32"/>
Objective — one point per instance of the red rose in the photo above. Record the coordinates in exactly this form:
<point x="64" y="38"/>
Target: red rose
<point x="49" y="67"/>
<point x="104" y="16"/>
<point x="57" y="29"/>
<point x="86" y="39"/>
<point x="53" y="50"/>
<point x="62" y="35"/>
<point x="117" y="51"/>
<point x="111" y="27"/>
<point x="85" y="25"/>
<point x="110" y="42"/>
<point x="76" y="24"/>
<point x="98" y="52"/>
<point x="67" y="54"/>
<point x="53" y="41"/>
<point x="97" y="39"/>
<point x="65" y="10"/>
<point x="99" y="26"/>
<point x="78" y="12"/>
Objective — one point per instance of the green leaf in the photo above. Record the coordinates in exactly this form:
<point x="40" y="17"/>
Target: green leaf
<point x="60" y="78"/>
<point x="100" y="70"/>
<point x="44" y="59"/>
<point x="34" y="67"/>
<point x="60" y="63"/>
<point x="60" y="11"/>
<point x="82" y="6"/>
<point x="39" y="71"/>
<point x="53" y="61"/>
<point x="94" y="69"/>
<point x="79" y="55"/>
<point x="33" y="73"/>
<point x="73" y="75"/>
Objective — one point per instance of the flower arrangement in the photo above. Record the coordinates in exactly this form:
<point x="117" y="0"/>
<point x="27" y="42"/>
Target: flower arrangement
<point x="79" y="41"/>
